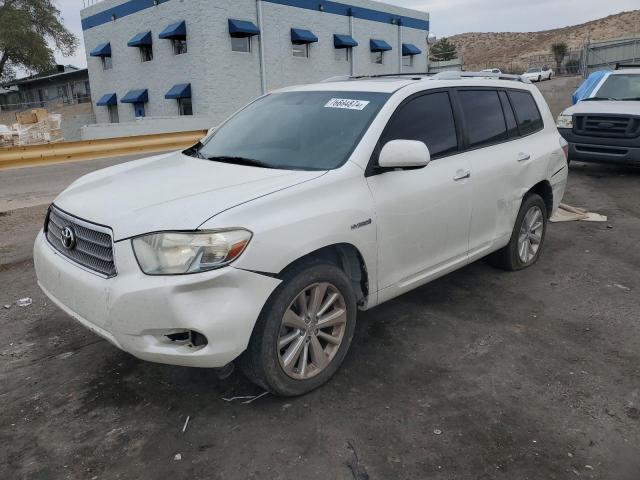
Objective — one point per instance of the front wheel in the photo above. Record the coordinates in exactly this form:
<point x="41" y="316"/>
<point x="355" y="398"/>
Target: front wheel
<point x="304" y="331"/>
<point x="527" y="238"/>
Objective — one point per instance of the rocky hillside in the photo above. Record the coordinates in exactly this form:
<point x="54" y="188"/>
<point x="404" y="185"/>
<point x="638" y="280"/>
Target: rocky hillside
<point x="517" y="50"/>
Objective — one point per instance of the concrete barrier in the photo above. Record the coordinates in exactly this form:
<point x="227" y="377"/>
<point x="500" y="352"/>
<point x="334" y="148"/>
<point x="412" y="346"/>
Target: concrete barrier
<point x="50" y="153"/>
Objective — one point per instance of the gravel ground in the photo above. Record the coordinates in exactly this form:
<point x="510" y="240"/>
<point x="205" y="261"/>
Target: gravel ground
<point x="482" y="374"/>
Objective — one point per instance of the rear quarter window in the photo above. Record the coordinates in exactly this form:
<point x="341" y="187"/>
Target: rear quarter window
<point x="526" y="111"/>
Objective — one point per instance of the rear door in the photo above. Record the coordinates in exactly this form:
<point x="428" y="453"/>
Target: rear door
<point x="422" y="214"/>
<point x="499" y="160"/>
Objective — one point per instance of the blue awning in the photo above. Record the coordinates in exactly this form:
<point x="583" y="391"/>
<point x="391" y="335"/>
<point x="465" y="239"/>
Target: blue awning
<point x="175" y="30"/>
<point x="102" y="50"/>
<point x="242" y="28"/>
<point x="410" y="49"/>
<point x="379" y="46"/>
<point x="143" y="38"/>
<point x="136" y="96"/>
<point x="107" y="99"/>
<point x="181" y="90"/>
<point x="344" y="41"/>
<point x="300" y="36"/>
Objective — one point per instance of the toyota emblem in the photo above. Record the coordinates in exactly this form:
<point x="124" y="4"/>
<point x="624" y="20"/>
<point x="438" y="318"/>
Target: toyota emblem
<point x="68" y="238"/>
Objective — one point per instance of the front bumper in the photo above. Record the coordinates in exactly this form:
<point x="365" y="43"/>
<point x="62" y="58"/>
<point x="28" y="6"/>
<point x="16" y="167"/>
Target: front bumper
<point x="583" y="148"/>
<point x="135" y="312"/>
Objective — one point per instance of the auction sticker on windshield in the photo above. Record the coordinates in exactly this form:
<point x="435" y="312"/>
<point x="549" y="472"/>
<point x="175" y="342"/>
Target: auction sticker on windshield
<point x="346" y="103"/>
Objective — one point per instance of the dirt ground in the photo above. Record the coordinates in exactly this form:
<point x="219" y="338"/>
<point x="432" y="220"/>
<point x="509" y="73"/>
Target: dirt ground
<point x="480" y="375"/>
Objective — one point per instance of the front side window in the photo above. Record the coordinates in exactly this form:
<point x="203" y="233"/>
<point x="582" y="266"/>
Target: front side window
<point x="407" y="61"/>
<point x="620" y="87"/>
<point x="527" y="113"/>
<point x="300" y="50"/>
<point x="429" y="119"/>
<point x="146" y="53"/>
<point x="377" y="57"/>
<point x="534" y="70"/>
<point x="483" y="117"/>
<point x="184" y="106"/>
<point x="342" y="54"/>
<point x="295" y="130"/>
<point x="241" y="44"/>
<point x="107" y="64"/>
<point x="179" y="46"/>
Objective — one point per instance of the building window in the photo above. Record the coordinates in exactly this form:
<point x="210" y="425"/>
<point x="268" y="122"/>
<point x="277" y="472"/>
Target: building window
<point x="377" y="57"/>
<point x="107" y="64"/>
<point x="146" y="53"/>
<point x="113" y="114"/>
<point x="342" y="54"/>
<point x="241" y="44"/>
<point x="301" y="50"/>
<point x="184" y="106"/>
<point x="138" y="109"/>
<point x="407" y="61"/>
<point x="179" y="45"/>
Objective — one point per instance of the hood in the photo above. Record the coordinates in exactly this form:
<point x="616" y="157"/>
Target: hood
<point x="614" y="107"/>
<point x="169" y="192"/>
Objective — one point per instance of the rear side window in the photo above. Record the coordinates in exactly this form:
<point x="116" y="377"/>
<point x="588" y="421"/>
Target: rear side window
<point x="429" y="119"/>
<point x="483" y="117"/>
<point x="527" y="113"/>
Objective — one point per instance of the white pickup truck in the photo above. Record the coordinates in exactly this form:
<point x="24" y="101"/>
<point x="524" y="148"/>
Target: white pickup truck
<point x="604" y="126"/>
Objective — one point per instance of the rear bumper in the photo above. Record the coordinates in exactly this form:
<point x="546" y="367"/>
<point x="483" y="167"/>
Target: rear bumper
<point x="622" y="151"/>
<point x="136" y="312"/>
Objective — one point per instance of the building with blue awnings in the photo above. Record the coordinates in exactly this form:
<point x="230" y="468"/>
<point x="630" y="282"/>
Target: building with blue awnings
<point x="203" y="62"/>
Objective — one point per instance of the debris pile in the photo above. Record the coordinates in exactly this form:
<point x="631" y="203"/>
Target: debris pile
<point x="33" y="127"/>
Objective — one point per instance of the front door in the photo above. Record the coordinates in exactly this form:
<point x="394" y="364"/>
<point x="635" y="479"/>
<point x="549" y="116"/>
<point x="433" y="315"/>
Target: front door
<point x="423" y="214"/>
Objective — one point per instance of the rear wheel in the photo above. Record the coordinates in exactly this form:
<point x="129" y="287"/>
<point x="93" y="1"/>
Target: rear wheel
<point x="527" y="238"/>
<point x="304" y="331"/>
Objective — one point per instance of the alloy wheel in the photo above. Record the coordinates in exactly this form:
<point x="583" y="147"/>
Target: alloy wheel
<point x="530" y="236"/>
<point x="311" y="331"/>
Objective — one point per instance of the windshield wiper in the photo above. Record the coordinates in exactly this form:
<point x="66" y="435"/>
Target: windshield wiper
<point x="240" y="161"/>
<point x="598" y="98"/>
<point x="630" y="99"/>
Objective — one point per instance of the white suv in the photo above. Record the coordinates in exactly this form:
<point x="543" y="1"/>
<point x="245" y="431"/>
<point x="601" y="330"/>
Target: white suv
<point x="264" y="239"/>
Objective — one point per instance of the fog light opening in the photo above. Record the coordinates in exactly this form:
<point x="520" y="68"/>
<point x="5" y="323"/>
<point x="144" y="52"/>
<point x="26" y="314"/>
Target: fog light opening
<point x="188" y="337"/>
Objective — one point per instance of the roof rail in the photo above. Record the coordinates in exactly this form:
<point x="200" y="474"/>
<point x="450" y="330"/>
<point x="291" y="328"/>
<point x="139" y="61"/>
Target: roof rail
<point x="621" y="66"/>
<point x="455" y="75"/>
<point x="344" y="78"/>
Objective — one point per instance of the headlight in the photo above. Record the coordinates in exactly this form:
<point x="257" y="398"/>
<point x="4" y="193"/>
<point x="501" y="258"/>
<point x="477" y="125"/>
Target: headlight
<point x="565" y="121"/>
<point x="172" y="253"/>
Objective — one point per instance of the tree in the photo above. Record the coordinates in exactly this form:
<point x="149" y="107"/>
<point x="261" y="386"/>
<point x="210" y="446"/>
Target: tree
<point x="442" y="50"/>
<point x="30" y="32"/>
<point x="559" y="51"/>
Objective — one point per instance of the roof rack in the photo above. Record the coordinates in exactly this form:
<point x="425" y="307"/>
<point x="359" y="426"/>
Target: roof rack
<point x="621" y="66"/>
<point x="455" y="75"/>
<point x="344" y="78"/>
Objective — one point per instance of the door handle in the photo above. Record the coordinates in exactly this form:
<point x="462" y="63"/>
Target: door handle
<point x="523" y="157"/>
<point x="462" y="174"/>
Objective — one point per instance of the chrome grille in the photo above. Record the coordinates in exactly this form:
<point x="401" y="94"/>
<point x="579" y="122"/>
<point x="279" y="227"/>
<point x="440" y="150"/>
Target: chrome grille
<point x="93" y="246"/>
<point x="607" y="126"/>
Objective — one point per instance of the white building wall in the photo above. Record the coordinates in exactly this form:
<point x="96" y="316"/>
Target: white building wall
<point x="222" y="80"/>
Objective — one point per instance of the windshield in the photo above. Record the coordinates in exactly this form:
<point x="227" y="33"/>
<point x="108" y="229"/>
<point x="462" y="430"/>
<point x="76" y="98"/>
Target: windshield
<point x="534" y="70"/>
<point x="295" y="130"/>
<point x="620" y="87"/>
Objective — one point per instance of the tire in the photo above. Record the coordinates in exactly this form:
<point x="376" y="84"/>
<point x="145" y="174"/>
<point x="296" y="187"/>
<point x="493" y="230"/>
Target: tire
<point x="539" y="78"/>
<point x="265" y="363"/>
<point x="511" y="257"/>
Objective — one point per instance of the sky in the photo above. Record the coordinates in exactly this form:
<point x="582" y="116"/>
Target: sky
<point x="449" y="17"/>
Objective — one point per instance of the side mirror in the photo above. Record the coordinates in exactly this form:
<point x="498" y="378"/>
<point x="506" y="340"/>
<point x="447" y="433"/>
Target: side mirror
<point x="404" y="153"/>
